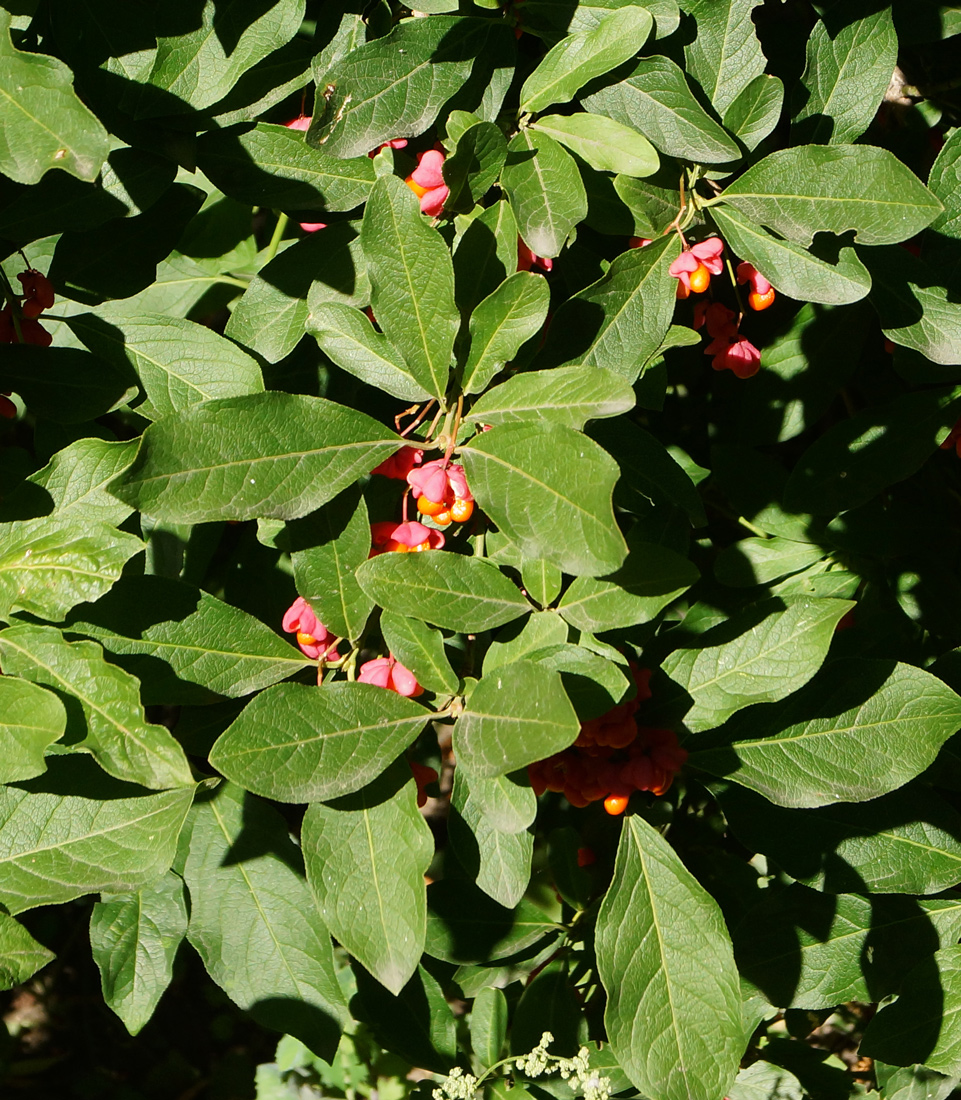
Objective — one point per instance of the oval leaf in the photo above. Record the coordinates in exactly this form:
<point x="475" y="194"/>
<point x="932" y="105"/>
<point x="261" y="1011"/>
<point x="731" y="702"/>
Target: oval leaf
<point x="813" y="189"/>
<point x="366" y="858"/>
<point x="579" y="58"/>
<point x="548" y="488"/>
<point x="772" y="658"/>
<point x="517" y="714"/>
<point x="298" y="743"/>
<point x="454" y="592"/>
<point x="656" y="101"/>
<point x="124" y="744"/>
<point x="412" y="283"/>
<point x="267" y="455"/>
<point x="673" y="1011"/>
<point x="893" y="723"/>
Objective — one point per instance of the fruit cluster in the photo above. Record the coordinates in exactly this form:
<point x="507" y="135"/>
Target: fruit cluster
<point x="440" y="489"/>
<point x="613" y="757"/>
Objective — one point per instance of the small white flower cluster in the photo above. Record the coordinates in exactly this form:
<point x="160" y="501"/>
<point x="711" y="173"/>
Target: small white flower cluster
<point x="538" y="1061"/>
<point x="576" y="1071"/>
<point x="458" y="1085"/>
<point x="582" y="1079"/>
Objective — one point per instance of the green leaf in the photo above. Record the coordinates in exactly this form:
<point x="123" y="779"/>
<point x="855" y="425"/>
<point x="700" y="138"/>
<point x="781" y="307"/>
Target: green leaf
<point x="114" y="728"/>
<point x="499" y="862"/>
<point x="881" y="445"/>
<point x="593" y="684"/>
<point x="484" y="255"/>
<point x="808" y="950"/>
<point x="775" y="656"/>
<point x="200" y="65"/>
<point x="55" y="846"/>
<point x="179" y="363"/>
<point x="916" y="308"/>
<point x="501" y="323"/>
<point x="506" y="802"/>
<point x="73" y="485"/>
<point x="893" y="721"/>
<point x="762" y="560"/>
<point x="545" y="190"/>
<point x="922" y="1024"/>
<point x="849" y="65"/>
<point x="20" y="954"/>
<point x="549" y="1003"/>
<point x="273" y="166"/>
<point x="60" y="202"/>
<point x="418" y="1025"/>
<point x="366" y="858"/>
<point x="254" y="923"/>
<point x="649" y="473"/>
<point x="325" y="267"/>
<point x="421" y="649"/>
<point x="812" y="189"/>
<point x="48" y="565"/>
<point x="619" y="321"/>
<point x="474" y="166"/>
<point x="523" y="637"/>
<point x="589" y="13"/>
<point x="265" y="455"/>
<point x="464" y="925"/>
<point x="120" y="258"/>
<point x="673" y="1012"/>
<point x="656" y="101"/>
<point x="548" y="488"/>
<point x="488" y="1025"/>
<point x="134" y="938"/>
<point x="297" y="743"/>
<point x="66" y="385"/>
<point x="326" y="549"/>
<point x="192" y="636"/>
<point x="652" y="207"/>
<point x="905" y="842"/>
<point x="44" y="124"/>
<point x="412" y="282"/>
<point x="579" y="58"/>
<point x="351" y="341"/>
<point x="755" y="111"/>
<point x="944" y="181"/>
<point x="804" y="366"/>
<point x="31" y="720"/>
<point x="517" y="714"/>
<point x="458" y="593"/>
<point x="541" y="580"/>
<point x="725" y="56"/>
<point x="650" y="579"/>
<point x="791" y="269"/>
<point x="606" y="145"/>
<point x="396" y="86"/>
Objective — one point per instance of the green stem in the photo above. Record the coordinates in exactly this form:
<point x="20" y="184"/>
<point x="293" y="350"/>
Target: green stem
<point x="232" y="280"/>
<point x="278" y="235"/>
<point x="750" y="526"/>
<point x="737" y="289"/>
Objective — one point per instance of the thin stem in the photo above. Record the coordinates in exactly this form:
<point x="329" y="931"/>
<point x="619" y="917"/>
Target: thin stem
<point x="433" y="424"/>
<point x="278" y="235"/>
<point x="750" y="526"/>
<point x="458" y="414"/>
<point x="420" y="416"/>
<point x="233" y="280"/>
<point x="737" y="289"/>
